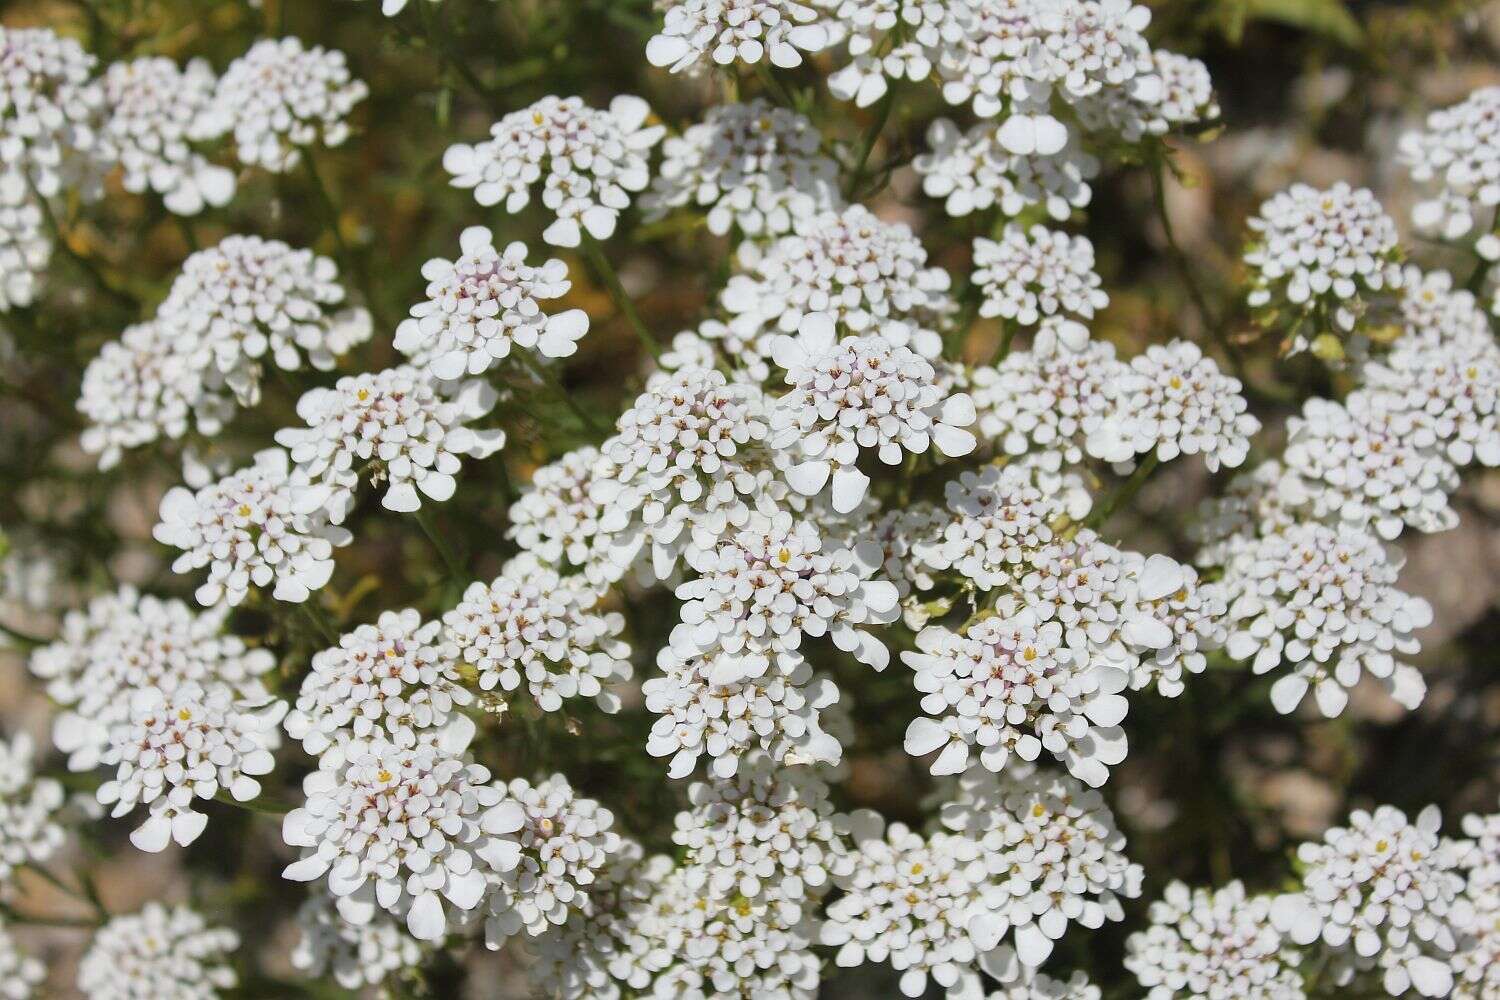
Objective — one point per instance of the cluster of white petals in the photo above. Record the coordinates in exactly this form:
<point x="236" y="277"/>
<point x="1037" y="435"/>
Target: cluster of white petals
<point x="30" y="831"/>
<point x="1030" y="273"/>
<point x="973" y="171"/>
<point x="588" y="161"/>
<point x="20" y="974"/>
<point x="25" y="251"/>
<point x="1457" y="158"/>
<point x="888" y="40"/>
<point x="282" y="98"/>
<point x="354" y="955"/>
<point x="721" y="32"/>
<point x="1048" y="401"/>
<point x="51" y="114"/>
<point x="556" y="519"/>
<point x="167" y="954"/>
<point x="244" y="529"/>
<point x="755" y="167"/>
<point x="1476" y="913"/>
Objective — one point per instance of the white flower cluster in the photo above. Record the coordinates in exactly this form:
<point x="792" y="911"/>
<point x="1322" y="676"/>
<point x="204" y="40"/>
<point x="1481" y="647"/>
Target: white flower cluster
<point x="160" y="116"/>
<point x="1457" y="157"/>
<point x="20" y="973"/>
<point x="170" y="954"/>
<point x="51" y="113"/>
<point x="1377" y="895"/>
<point x="1476" y="913"/>
<point x="556" y="519"/>
<point x="30" y="831"/>
<point x="728" y="31"/>
<point x="973" y="171"/>
<point x="1213" y="944"/>
<point x="1036" y="272"/>
<point x="1050" y="402"/>
<point x="484" y="303"/>
<point x="1320" y="256"/>
<point x="25" y="250"/>
<point x="245" y="529"/>
<point x="282" y="98"/>
<point x="189" y="743"/>
<point x="355" y="955"/>
<point x="755" y="167"/>
<point x="394" y="426"/>
<point x="126" y="642"/>
<point x="589" y="163"/>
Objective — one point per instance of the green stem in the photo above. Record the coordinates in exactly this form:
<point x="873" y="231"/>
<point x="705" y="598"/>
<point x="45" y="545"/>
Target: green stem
<point x="607" y="273"/>
<point x="1007" y="335"/>
<point x="1125" y="493"/>
<point x="549" y="379"/>
<point x="444" y="552"/>
<point x="320" y="623"/>
<point x="188" y="236"/>
<point x="872" y="136"/>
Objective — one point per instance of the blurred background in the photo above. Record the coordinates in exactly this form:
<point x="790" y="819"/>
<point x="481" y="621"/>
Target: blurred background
<point x="1217" y="785"/>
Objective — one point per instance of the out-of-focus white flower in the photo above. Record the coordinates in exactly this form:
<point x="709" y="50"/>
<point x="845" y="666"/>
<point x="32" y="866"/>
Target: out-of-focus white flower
<point x="1184" y="96"/>
<point x="1321" y="252"/>
<point x="566" y="840"/>
<point x="971" y="171"/>
<point x="394" y="424"/>
<point x="1476" y="913"/>
<point x="702" y="714"/>
<point x="51" y="110"/>
<point x="1050" y="854"/>
<point x="1045" y="987"/>
<point x="158" y="116"/>
<point x="395" y="681"/>
<point x="768" y="834"/>
<point x="184" y="745"/>
<point x="1036" y="272"/>
<point x="1457" y="158"/>
<point x="848" y="270"/>
<point x="20" y="973"/>
<point x="1047" y="401"/>
<point x="1213" y="944"/>
<point x="907" y="902"/>
<point x="753" y="166"/>
<point x="761" y="589"/>
<point x="355" y="955"/>
<point x="556" y="520"/>
<point x="1257" y="502"/>
<point x="726" y="31"/>
<point x="160" y="953"/>
<point x="1174" y="401"/>
<point x="1369" y="465"/>
<point x="243" y="528"/>
<point x="531" y="626"/>
<point x="246" y="298"/>
<point x="588" y="161"/>
<point x="1008" y="685"/>
<point x="416" y="832"/>
<point x="282" y="98"/>
<point x="857" y="395"/>
<point x="25" y="251"/>
<point x="29" y="829"/>
<point x="1377" y="894"/>
<point x="484" y="303"/>
<point x="123" y="642"/>
<point x="1322" y="603"/>
<point x="143" y="387"/>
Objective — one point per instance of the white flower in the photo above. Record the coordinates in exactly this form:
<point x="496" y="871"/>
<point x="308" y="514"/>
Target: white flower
<point x="25" y="251"/>
<point x="159" y="953"/>
<point x="50" y="115"/>
<point x="1036" y="272"/>
<point x="761" y="589"/>
<point x="1049" y="401"/>
<point x="20" y="973"/>
<point x="1436" y="314"/>
<point x="29" y="806"/>
<point x="394" y="422"/>
<point x="1173" y="619"/>
<point x="395" y="681"/>
<point x="1324" y="252"/>
<point x="1044" y="987"/>
<point x="1457" y="158"/>
<point x="482" y="304"/>
<point x="1051" y="855"/>
<point x="897" y="40"/>
<point x="159" y="116"/>
<point x="767" y="834"/>
<point x="282" y="97"/>
<point x="682" y="467"/>
<point x="243" y="528"/>
<point x="186" y="744"/>
<point x="1377" y="895"/>
<point x="1369" y="465"/>
<point x="1257" y="502"/>
<point x="124" y="642"/>
<point x="1174" y="401"/>
<point x="1476" y="913"/>
<point x="566" y="841"/>
<point x="973" y="171"/>
<point x="143" y="387"/>
<point x="907" y="538"/>
<point x="589" y="163"/>
<point x="907" y="902"/>
<point x="247" y="298"/>
<point x="1213" y="944"/>
<point x="414" y="832"/>
<point x="725" y="31"/>
<point x="1322" y="602"/>
<point x="355" y="955"/>
<point x="857" y="395"/>
<point x="1183" y="96"/>
<point x="702" y="713"/>
<point x="531" y="626"/>
<point x="1007" y="685"/>
<point x="753" y="166"/>
<point x="848" y="270"/>
<point x="556" y="520"/>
